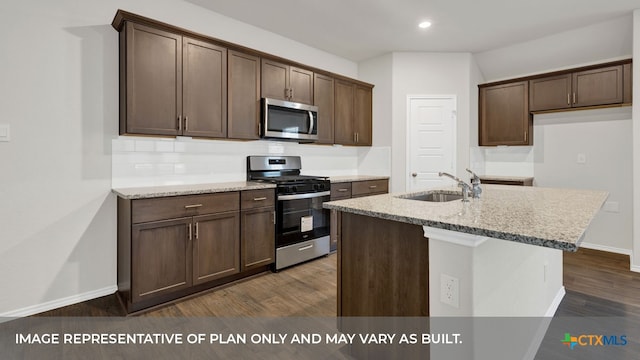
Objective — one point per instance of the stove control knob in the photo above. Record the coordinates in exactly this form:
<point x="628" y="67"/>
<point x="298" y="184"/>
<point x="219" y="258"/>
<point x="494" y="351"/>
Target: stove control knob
<point x="318" y="187"/>
<point x="293" y="189"/>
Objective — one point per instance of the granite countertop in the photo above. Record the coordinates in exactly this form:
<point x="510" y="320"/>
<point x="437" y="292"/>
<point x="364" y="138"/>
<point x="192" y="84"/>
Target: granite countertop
<point x="555" y="218"/>
<point x="351" y="178"/>
<point x="188" y="189"/>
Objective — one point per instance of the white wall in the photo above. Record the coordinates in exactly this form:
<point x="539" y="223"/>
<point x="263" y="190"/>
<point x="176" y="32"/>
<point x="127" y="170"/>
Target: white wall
<point x="428" y="74"/>
<point x="59" y="94"/>
<point x="587" y="45"/>
<point x="604" y="138"/>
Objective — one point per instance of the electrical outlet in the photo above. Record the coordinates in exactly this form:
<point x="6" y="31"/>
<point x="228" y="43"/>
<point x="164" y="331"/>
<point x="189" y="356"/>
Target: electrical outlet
<point x="449" y="290"/>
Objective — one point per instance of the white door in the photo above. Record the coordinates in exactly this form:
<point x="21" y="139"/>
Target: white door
<point x="431" y="145"/>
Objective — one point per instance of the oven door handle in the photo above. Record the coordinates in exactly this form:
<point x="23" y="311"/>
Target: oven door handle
<point x="304" y="196"/>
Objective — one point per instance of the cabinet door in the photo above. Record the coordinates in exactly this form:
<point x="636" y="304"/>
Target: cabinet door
<point x="243" y="96"/>
<point x="275" y="80"/>
<point x="300" y="85"/>
<point x="550" y="93"/>
<point x="204" y="90"/>
<point x="362" y="115"/>
<point x="160" y="258"/>
<point x="598" y="87"/>
<point x="258" y="237"/>
<point x="323" y="99"/>
<point x="504" y="115"/>
<point x="153" y="81"/>
<point x="344" y="96"/>
<point x="216" y="246"/>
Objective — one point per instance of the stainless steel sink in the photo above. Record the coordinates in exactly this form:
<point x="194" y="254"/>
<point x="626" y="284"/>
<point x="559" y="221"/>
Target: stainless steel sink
<point x="435" y="197"/>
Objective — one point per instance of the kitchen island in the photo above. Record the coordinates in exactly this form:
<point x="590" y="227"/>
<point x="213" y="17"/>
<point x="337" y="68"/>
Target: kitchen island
<point x="500" y="255"/>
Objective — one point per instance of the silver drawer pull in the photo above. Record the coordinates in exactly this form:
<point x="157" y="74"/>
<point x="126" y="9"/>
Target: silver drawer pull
<point x="373" y="186"/>
<point x="192" y="206"/>
<point x="343" y="190"/>
<point x="305" y="247"/>
<point x="259" y="199"/>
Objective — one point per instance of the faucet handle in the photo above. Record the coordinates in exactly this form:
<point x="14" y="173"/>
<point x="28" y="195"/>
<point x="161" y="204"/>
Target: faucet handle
<point x="476" y="178"/>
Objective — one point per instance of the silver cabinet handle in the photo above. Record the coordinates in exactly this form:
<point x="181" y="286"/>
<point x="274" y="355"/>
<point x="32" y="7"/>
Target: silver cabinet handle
<point x="259" y="199"/>
<point x="189" y="236"/>
<point x="192" y="206"/>
<point x="343" y="190"/>
<point x="291" y="94"/>
<point x="273" y="217"/>
<point x="179" y="123"/>
<point x="568" y="99"/>
<point x="197" y="230"/>
<point x="574" y="98"/>
<point x="186" y="123"/>
<point x="373" y="186"/>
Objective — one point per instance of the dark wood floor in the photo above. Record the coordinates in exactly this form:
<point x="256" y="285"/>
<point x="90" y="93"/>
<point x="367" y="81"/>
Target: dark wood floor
<point x="597" y="283"/>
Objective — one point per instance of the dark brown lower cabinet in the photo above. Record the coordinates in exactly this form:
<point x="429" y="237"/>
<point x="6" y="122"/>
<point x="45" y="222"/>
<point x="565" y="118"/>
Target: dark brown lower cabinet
<point x="216" y="246"/>
<point x="258" y="237"/>
<point x="348" y="190"/>
<point x="161" y="251"/>
<point x="171" y="247"/>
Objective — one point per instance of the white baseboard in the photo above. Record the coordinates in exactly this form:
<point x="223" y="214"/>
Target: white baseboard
<point x="555" y="303"/>
<point x="610" y="249"/>
<point x="54" y="304"/>
<point x="536" y="340"/>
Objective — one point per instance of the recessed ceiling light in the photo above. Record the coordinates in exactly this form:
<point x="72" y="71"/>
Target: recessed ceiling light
<point x="424" y="24"/>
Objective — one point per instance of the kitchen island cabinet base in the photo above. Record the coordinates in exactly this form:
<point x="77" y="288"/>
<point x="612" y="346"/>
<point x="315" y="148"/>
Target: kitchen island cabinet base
<point x="390" y="268"/>
<point x="383" y="268"/>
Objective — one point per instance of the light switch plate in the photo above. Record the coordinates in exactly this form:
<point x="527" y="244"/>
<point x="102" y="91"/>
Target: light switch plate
<point x="5" y="132"/>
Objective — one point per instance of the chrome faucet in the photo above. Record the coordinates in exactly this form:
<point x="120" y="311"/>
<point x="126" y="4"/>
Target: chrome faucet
<point x="466" y="189"/>
<point x="475" y="182"/>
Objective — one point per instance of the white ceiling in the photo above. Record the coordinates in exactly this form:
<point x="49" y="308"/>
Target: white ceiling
<point x="361" y="29"/>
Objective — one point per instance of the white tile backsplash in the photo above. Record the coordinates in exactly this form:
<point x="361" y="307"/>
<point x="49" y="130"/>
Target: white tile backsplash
<point x="149" y="162"/>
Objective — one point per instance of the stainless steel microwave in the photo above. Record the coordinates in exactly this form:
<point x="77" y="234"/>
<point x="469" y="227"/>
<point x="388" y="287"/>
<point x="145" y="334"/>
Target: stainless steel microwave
<point x="289" y="120"/>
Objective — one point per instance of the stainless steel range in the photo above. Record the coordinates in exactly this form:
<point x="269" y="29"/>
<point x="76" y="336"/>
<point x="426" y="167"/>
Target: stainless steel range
<point x="302" y="225"/>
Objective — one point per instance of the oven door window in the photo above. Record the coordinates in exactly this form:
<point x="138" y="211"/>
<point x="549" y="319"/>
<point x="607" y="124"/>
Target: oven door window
<point x="301" y="220"/>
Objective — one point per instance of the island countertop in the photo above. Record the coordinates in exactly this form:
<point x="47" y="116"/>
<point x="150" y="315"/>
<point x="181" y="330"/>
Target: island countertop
<point x="549" y="217"/>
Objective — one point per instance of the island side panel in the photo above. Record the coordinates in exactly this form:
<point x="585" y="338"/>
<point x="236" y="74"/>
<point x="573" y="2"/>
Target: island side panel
<point x="383" y="268"/>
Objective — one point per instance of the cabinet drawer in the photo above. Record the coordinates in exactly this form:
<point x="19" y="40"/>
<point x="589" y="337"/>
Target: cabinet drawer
<point x="180" y="206"/>
<point x="252" y="199"/>
<point x="341" y="191"/>
<point x="370" y="187"/>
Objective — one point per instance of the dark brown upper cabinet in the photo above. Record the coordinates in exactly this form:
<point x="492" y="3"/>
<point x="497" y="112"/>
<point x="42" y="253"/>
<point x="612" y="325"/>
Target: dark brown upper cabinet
<point x="286" y="82"/>
<point x="323" y="98"/>
<point x="600" y="86"/>
<point x="504" y="115"/>
<point x="171" y="85"/>
<point x="177" y="82"/>
<point x="353" y="114"/>
<point x="244" y="96"/>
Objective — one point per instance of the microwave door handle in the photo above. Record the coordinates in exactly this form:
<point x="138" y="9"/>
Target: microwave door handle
<point x="313" y="122"/>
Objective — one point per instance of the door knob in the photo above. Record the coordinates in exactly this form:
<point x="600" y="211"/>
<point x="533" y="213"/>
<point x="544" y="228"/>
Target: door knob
<point x="414" y="174"/>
